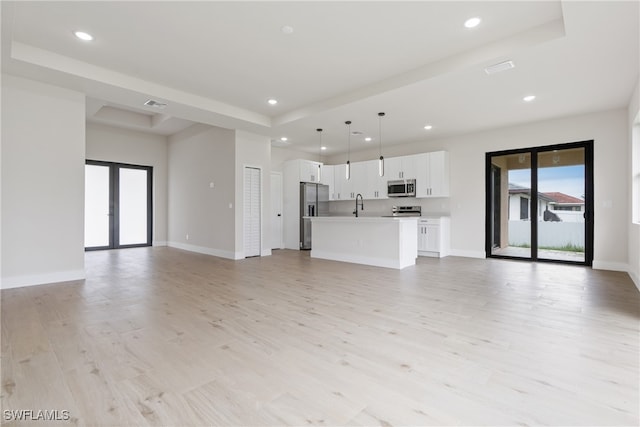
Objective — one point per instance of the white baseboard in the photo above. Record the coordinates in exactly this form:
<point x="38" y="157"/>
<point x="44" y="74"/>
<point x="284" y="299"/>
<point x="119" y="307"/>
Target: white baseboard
<point x="608" y="265"/>
<point x="159" y="243"/>
<point x="207" y="251"/>
<point x="42" y="279"/>
<point x="636" y="279"/>
<point x="467" y="254"/>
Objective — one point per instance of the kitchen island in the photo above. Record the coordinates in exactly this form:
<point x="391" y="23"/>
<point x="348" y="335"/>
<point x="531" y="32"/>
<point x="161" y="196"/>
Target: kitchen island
<point x="379" y="241"/>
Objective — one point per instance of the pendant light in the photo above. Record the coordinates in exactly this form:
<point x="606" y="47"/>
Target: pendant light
<point x="319" y="155"/>
<point x="381" y="160"/>
<point x="348" y="168"/>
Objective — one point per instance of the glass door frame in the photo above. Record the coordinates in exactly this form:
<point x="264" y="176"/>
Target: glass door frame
<point x="589" y="202"/>
<point x="114" y="204"/>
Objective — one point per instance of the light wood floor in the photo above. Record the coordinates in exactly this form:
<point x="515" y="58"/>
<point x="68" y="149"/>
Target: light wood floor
<point x="158" y="336"/>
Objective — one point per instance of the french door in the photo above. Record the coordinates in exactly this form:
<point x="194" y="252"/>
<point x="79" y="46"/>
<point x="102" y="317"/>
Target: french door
<point x="540" y="203"/>
<point x="118" y="205"/>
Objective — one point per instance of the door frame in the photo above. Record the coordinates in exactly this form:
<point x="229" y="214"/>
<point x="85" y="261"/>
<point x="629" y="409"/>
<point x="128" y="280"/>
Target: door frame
<point x="589" y="201"/>
<point x="278" y="208"/>
<point x="496" y="216"/>
<point x="114" y="204"/>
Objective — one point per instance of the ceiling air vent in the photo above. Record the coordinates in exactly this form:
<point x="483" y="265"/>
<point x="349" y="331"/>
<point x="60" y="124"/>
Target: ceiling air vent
<point x="155" y="104"/>
<point x="502" y="66"/>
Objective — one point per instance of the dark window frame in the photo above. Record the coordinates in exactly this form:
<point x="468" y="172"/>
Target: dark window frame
<point x="114" y="204"/>
<point x="587" y="145"/>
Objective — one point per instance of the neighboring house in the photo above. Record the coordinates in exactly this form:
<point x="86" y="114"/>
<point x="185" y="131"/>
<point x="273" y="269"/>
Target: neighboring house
<point x="520" y="203"/>
<point x="567" y="208"/>
<point x="552" y="206"/>
<point x="564" y="202"/>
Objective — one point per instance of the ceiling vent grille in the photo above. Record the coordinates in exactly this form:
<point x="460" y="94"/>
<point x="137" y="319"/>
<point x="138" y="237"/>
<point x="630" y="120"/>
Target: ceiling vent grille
<point x="155" y="104"/>
<point x="502" y="66"/>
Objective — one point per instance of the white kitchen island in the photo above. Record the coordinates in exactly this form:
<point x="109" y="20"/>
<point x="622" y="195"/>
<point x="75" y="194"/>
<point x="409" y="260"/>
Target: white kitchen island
<point x="379" y="241"/>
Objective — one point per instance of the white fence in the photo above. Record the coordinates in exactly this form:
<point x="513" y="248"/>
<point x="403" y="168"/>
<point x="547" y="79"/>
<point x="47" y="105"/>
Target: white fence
<point x="550" y="234"/>
<point x="570" y="216"/>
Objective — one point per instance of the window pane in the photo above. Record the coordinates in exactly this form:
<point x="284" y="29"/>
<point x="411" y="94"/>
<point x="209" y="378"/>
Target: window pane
<point x="133" y="206"/>
<point x="511" y="205"/>
<point x="96" y="206"/>
<point x="561" y="191"/>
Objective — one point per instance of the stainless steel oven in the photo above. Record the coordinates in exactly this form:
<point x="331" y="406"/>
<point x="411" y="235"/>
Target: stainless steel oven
<point x="401" y="188"/>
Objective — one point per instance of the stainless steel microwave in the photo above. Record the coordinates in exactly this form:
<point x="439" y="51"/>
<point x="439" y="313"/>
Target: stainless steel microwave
<point x="401" y="188"/>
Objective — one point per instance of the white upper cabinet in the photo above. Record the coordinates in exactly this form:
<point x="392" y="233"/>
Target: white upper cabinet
<point x="430" y="170"/>
<point x="343" y="186"/>
<point x="327" y="178"/>
<point x="309" y="171"/>
<point x="364" y="180"/>
<point x="404" y="167"/>
<point x="376" y="185"/>
<point x="432" y="178"/>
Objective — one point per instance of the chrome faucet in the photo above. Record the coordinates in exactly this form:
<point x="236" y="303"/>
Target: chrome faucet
<point x="361" y="204"/>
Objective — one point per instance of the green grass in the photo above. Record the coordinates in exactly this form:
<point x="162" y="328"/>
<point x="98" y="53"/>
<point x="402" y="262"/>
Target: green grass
<point x="569" y="247"/>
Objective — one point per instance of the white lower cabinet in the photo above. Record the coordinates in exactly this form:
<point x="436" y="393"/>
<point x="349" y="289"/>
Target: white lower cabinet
<point x="433" y="236"/>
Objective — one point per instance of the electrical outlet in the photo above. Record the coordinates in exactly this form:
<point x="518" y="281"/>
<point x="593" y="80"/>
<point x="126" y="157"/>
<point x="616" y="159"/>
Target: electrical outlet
<point x="187" y="237"/>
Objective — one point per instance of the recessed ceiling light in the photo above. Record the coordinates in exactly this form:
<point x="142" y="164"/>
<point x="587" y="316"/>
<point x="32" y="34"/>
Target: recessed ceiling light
<point x="428" y="127"/>
<point x="284" y="138"/>
<point x="272" y="101"/>
<point x="529" y="98"/>
<point x="83" y="36"/>
<point x="472" y="22"/>
<point x="323" y="148"/>
<point x="287" y="29"/>
<point x="368" y="139"/>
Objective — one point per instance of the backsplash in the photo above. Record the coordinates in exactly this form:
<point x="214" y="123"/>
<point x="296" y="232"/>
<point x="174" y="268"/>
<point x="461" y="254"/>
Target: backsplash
<point x="435" y="206"/>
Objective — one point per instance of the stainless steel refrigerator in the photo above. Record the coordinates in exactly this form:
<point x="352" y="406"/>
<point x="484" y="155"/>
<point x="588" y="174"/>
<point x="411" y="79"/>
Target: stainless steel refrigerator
<point x="314" y="201"/>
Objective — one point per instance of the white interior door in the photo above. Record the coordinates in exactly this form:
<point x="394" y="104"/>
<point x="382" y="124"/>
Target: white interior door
<point x="252" y="210"/>
<point x="276" y="211"/>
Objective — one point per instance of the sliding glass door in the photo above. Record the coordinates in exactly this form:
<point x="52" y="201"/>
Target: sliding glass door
<point x="540" y="203"/>
<point x="118" y="205"/>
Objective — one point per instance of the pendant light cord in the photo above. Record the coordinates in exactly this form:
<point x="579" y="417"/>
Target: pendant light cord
<point x="348" y="123"/>
<point x="320" y="146"/>
<point x="380" y="116"/>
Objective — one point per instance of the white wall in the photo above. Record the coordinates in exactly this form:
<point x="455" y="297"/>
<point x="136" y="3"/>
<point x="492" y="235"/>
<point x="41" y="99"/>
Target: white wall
<point x="112" y="144"/>
<point x="198" y="156"/>
<point x="634" y="168"/>
<point x="43" y="154"/>
<point x="280" y="155"/>
<point x="467" y="168"/>
<point x="253" y="151"/>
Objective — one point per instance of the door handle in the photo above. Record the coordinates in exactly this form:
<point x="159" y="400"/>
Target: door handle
<point x="279" y="214"/>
